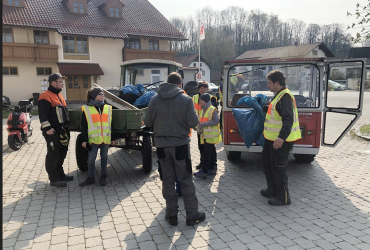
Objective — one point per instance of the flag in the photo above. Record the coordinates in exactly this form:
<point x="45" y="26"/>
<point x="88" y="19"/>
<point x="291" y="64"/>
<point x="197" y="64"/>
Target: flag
<point x="202" y="36"/>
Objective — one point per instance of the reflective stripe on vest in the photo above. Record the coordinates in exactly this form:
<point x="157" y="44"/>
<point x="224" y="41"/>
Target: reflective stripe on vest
<point x="212" y="134"/>
<point x="273" y="122"/>
<point x="99" y="125"/>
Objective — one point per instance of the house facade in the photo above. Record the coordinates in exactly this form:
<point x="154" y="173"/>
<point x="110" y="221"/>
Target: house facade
<point x="85" y="40"/>
<point x="192" y="65"/>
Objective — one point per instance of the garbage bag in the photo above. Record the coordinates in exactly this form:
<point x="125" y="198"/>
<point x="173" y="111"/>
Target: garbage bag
<point x="140" y="88"/>
<point x="250" y="122"/>
<point x="129" y="89"/>
<point x="143" y="101"/>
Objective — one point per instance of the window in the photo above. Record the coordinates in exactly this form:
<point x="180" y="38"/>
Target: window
<point x="75" y="45"/>
<point x="114" y="12"/>
<point x="7" y="35"/>
<point x="200" y="64"/>
<point x="134" y="43"/>
<point x="153" y="44"/>
<point x="78" y="8"/>
<point x="156" y="75"/>
<point x="203" y="73"/>
<point x="140" y="72"/>
<point x="85" y="80"/>
<point x="12" y="71"/>
<point x="194" y="64"/>
<point x="41" y="36"/>
<point x="13" y="3"/>
<point x="43" y="71"/>
<point x="314" y="52"/>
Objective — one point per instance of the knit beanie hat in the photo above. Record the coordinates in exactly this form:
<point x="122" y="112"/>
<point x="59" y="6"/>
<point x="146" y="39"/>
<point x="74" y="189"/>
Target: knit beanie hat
<point x="95" y="93"/>
<point x="205" y="97"/>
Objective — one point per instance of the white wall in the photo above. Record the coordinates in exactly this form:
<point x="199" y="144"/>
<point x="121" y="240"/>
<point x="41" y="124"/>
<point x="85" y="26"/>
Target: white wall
<point x="189" y="75"/>
<point x="207" y="76"/>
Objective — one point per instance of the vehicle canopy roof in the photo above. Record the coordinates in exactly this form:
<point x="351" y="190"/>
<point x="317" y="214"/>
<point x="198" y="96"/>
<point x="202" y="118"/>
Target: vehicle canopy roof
<point x="151" y="61"/>
<point x="276" y="60"/>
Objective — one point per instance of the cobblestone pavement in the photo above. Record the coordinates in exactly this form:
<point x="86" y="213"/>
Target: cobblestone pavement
<point x="330" y="203"/>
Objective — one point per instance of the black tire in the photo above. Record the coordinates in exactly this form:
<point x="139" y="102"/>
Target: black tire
<point x="304" y="158"/>
<point x="14" y="142"/>
<point x="147" y="152"/>
<point x="82" y="155"/>
<point x="233" y="155"/>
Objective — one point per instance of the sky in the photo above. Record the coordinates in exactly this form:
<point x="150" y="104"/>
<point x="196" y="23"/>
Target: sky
<point x="310" y="11"/>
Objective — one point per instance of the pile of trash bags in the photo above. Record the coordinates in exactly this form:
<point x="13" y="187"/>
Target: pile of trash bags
<point x="250" y="122"/>
<point x="136" y="95"/>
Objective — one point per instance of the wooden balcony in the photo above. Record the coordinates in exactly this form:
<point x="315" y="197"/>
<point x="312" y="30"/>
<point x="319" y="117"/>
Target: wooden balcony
<point x="30" y="52"/>
<point x="131" y="54"/>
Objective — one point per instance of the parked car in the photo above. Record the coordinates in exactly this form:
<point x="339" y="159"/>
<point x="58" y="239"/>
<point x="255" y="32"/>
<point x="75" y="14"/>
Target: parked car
<point x="335" y="85"/>
<point x="343" y="83"/>
<point x="213" y="90"/>
<point x="6" y="102"/>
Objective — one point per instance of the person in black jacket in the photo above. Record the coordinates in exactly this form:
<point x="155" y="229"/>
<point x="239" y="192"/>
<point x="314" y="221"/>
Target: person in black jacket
<point x="53" y="115"/>
<point x="95" y="98"/>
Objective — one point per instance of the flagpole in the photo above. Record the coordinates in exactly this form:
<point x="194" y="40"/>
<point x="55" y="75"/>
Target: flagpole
<point x="199" y="48"/>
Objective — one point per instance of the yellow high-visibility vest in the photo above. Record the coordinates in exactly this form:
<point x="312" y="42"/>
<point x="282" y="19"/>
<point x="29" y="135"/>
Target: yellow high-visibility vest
<point x="274" y="122"/>
<point x="212" y="134"/>
<point x="99" y="125"/>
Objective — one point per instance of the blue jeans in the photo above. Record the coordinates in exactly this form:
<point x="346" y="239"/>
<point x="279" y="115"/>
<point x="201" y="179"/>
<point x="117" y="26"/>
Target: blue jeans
<point x="92" y="157"/>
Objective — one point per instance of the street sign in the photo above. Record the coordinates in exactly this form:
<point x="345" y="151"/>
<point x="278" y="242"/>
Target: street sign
<point x="199" y="76"/>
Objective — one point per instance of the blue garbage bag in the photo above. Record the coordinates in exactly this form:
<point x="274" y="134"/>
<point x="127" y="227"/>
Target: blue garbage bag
<point x="143" y="101"/>
<point x="129" y="89"/>
<point x="250" y="122"/>
<point x="140" y="88"/>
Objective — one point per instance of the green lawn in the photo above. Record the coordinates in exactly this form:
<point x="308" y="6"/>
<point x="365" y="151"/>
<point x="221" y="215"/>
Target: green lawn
<point x="365" y="130"/>
<point x="7" y="112"/>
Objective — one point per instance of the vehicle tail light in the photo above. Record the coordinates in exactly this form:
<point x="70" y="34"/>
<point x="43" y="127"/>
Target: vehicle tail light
<point x="310" y="132"/>
<point x="233" y="131"/>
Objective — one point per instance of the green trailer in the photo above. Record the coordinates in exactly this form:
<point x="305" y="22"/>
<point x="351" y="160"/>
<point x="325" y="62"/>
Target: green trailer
<point x="128" y="120"/>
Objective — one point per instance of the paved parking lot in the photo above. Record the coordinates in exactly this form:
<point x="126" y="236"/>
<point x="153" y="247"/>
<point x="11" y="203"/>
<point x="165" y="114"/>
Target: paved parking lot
<point x="330" y="203"/>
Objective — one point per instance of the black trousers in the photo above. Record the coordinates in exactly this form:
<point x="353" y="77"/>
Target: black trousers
<point x="55" y="155"/>
<point x="275" y="167"/>
<point x="208" y="155"/>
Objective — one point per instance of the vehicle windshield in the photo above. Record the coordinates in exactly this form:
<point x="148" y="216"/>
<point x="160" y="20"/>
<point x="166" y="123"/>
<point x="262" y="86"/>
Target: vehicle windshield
<point x="302" y="80"/>
<point x="144" y="74"/>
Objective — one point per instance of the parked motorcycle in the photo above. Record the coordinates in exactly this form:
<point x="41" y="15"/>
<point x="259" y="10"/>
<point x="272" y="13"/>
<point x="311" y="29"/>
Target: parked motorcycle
<point x="19" y="124"/>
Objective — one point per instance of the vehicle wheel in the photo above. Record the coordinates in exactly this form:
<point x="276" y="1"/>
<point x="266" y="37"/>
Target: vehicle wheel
<point x="304" y="158"/>
<point x="147" y="152"/>
<point x="233" y="155"/>
<point x="82" y="155"/>
<point x="14" y="142"/>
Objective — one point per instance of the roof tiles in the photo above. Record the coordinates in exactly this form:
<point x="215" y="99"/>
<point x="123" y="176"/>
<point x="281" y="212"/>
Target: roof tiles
<point x="140" y="18"/>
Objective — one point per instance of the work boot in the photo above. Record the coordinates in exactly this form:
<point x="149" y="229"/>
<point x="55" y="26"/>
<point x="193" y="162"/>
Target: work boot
<point x="201" y="216"/>
<point x="66" y="178"/>
<point x="102" y="180"/>
<point x="172" y="220"/>
<point x="88" y="181"/>
<point x="268" y="194"/>
<point x="277" y="202"/>
<point x="58" y="184"/>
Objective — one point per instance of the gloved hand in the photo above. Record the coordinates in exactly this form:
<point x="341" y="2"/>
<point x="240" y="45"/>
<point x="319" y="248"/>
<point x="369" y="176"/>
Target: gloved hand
<point x="64" y="138"/>
<point x="199" y="128"/>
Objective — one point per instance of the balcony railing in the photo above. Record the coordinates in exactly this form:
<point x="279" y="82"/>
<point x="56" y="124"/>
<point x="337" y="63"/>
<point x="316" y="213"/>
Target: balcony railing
<point x="131" y="54"/>
<point x="30" y="52"/>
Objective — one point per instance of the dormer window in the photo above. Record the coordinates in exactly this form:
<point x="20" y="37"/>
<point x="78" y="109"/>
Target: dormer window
<point x="113" y="12"/>
<point x="77" y="6"/>
<point x="112" y="8"/>
<point x="14" y="3"/>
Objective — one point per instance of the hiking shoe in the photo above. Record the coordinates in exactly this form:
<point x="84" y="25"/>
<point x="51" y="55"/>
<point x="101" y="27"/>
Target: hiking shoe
<point x="201" y="216"/>
<point x="212" y="172"/>
<point x="200" y="174"/>
<point x="58" y="184"/>
<point x="66" y="178"/>
<point x="88" y="181"/>
<point x="102" y="180"/>
<point x="172" y="220"/>
<point x="277" y="202"/>
<point x="268" y="194"/>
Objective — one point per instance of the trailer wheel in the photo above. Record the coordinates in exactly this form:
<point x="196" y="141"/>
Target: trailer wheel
<point x="147" y="152"/>
<point x="82" y="155"/>
<point x="304" y="158"/>
<point x="233" y="155"/>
